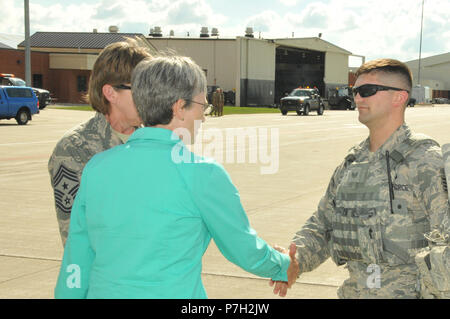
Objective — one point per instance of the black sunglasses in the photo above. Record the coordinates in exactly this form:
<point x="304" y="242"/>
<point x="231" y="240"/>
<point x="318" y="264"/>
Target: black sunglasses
<point x="367" y="90"/>
<point x="122" y="87"/>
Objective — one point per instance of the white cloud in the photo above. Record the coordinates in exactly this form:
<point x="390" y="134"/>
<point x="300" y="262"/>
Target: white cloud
<point x="12" y="17"/>
<point x="289" y="3"/>
<point x="389" y="25"/>
<point x="264" y="21"/>
<point x="381" y="28"/>
<point x="373" y="28"/>
<point x="179" y="14"/>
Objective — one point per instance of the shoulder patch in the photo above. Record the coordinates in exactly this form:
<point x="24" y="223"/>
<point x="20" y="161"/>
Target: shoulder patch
<point x="65" y="185"/>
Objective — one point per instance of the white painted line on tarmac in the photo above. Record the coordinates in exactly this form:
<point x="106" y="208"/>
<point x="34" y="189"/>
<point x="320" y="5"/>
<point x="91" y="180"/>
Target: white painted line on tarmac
<point x="26" y="143"/>
<point x="283" y="126"/>
<point x="354" y="126"/>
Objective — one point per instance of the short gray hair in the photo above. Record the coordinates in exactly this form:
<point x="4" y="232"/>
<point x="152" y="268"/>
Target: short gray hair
<point x="159" y="82"/>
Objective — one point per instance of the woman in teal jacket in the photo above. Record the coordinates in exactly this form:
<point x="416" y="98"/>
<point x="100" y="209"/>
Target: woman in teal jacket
<point x="146" y="210"/>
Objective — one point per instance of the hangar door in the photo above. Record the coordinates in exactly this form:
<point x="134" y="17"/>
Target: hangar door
<point x="298" y="67"/>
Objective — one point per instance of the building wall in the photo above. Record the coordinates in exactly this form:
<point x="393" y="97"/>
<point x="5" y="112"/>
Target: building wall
<point x="13" y="61"/>
<point x="351" y="78"/>
<point x="62" y="82"/>
<point x="245" y="65"/>
<point x="434" y="72"/>
<point x="336" y="71"/>
<point x="72" y="61"/>
<point x="65" y="85"/>
<point x="257" y="72"/>
<point x="436" y="77"/>
<point x="216" y="56"/>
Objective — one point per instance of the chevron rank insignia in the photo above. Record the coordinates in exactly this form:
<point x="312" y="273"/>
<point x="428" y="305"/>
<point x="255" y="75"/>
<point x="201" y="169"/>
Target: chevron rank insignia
<point x="65" y="185"/>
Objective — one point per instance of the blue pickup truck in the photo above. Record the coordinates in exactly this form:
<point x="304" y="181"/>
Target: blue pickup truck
<point x="18" y="102"/>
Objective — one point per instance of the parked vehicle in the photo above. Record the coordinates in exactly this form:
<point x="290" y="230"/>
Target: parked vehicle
<point x="341" y="98"/>
<point x="441" y="100"/>
<point x="43" y="95"/>
<point x="302" y="101"/>
<point x="230" y="97"/>
<point x="18" y="102"/>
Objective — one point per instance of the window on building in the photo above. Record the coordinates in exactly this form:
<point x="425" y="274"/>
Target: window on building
<point x="37" y="81"/>
<point x="82" y="83"/>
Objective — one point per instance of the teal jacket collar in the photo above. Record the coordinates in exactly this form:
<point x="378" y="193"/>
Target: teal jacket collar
<point x="155" y="134"/>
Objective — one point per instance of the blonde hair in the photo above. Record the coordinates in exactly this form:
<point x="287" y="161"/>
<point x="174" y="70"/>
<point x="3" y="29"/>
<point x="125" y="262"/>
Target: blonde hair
<point x="114" y="66"/>
<point x="387" y="66"/>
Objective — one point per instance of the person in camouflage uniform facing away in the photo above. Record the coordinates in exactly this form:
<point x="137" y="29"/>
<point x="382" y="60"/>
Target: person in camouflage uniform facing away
<point x="382" y="200"/>
<point x="434" y="261"/>
<point x="115" y="120"/>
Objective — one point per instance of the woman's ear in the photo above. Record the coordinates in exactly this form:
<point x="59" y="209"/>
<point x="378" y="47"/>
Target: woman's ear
<point x="179" y="109"/>
<point x="109" y="93"/>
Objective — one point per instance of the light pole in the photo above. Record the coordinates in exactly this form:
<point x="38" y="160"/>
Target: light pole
<point x="420" y="48"/>
<point x="27" y="43"/>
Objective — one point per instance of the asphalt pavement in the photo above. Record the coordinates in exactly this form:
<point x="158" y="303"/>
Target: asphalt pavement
<point x="281" y="171"/>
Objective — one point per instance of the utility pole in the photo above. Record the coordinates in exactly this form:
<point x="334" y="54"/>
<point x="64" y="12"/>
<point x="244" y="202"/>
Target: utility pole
<point x="27" y="43"/>
<point x="420" y="48"/>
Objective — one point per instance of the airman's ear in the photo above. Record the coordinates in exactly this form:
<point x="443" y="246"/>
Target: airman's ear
<point x="401" y="98"/>
<point x="109" y="93"/>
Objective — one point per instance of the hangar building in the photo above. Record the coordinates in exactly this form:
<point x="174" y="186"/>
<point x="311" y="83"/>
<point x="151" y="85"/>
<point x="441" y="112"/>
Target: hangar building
<point x="261" y="71"/>
<point x="434" y="73"/>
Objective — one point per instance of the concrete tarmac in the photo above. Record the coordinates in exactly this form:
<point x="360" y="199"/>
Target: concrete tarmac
<point x="277" y="204"/>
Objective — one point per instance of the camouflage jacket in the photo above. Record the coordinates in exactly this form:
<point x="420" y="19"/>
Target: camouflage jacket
<point x="374" y="221"/>
<point x="68" y="159"/>
<point x="434" y="261"/>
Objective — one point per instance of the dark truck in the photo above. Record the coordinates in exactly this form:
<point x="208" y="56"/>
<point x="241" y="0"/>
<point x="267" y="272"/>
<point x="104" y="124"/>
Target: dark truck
<point x="18" y="102"/>
<point x="341" y="98"/>
<point x="302" y="101"/>
<point x="43" y="95"/>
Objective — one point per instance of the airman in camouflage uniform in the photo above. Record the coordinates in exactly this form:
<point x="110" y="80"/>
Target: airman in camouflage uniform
<point x="383" y="199"/>
<point x="434" y="261"/>
<point x="218" y="101"/>
<point x="115" y="120"/>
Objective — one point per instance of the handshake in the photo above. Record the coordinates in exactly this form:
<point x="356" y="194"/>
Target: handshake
<point x="281" y="287"/>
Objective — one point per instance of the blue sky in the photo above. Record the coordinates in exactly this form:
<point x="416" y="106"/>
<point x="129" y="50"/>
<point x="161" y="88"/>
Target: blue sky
<point x="372" y="28"/>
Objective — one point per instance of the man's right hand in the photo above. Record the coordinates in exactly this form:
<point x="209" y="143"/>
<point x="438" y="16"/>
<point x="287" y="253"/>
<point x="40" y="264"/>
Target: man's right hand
<point x="281" y="287"/>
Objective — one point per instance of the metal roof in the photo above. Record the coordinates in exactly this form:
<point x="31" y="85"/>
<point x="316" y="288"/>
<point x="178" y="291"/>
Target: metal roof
<point x="434" y="60"/>
<point x="11" y="40"/>
<point x="78" y="40"/>
<point x="5" y="46"/>
<point x="306" y="41"/>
